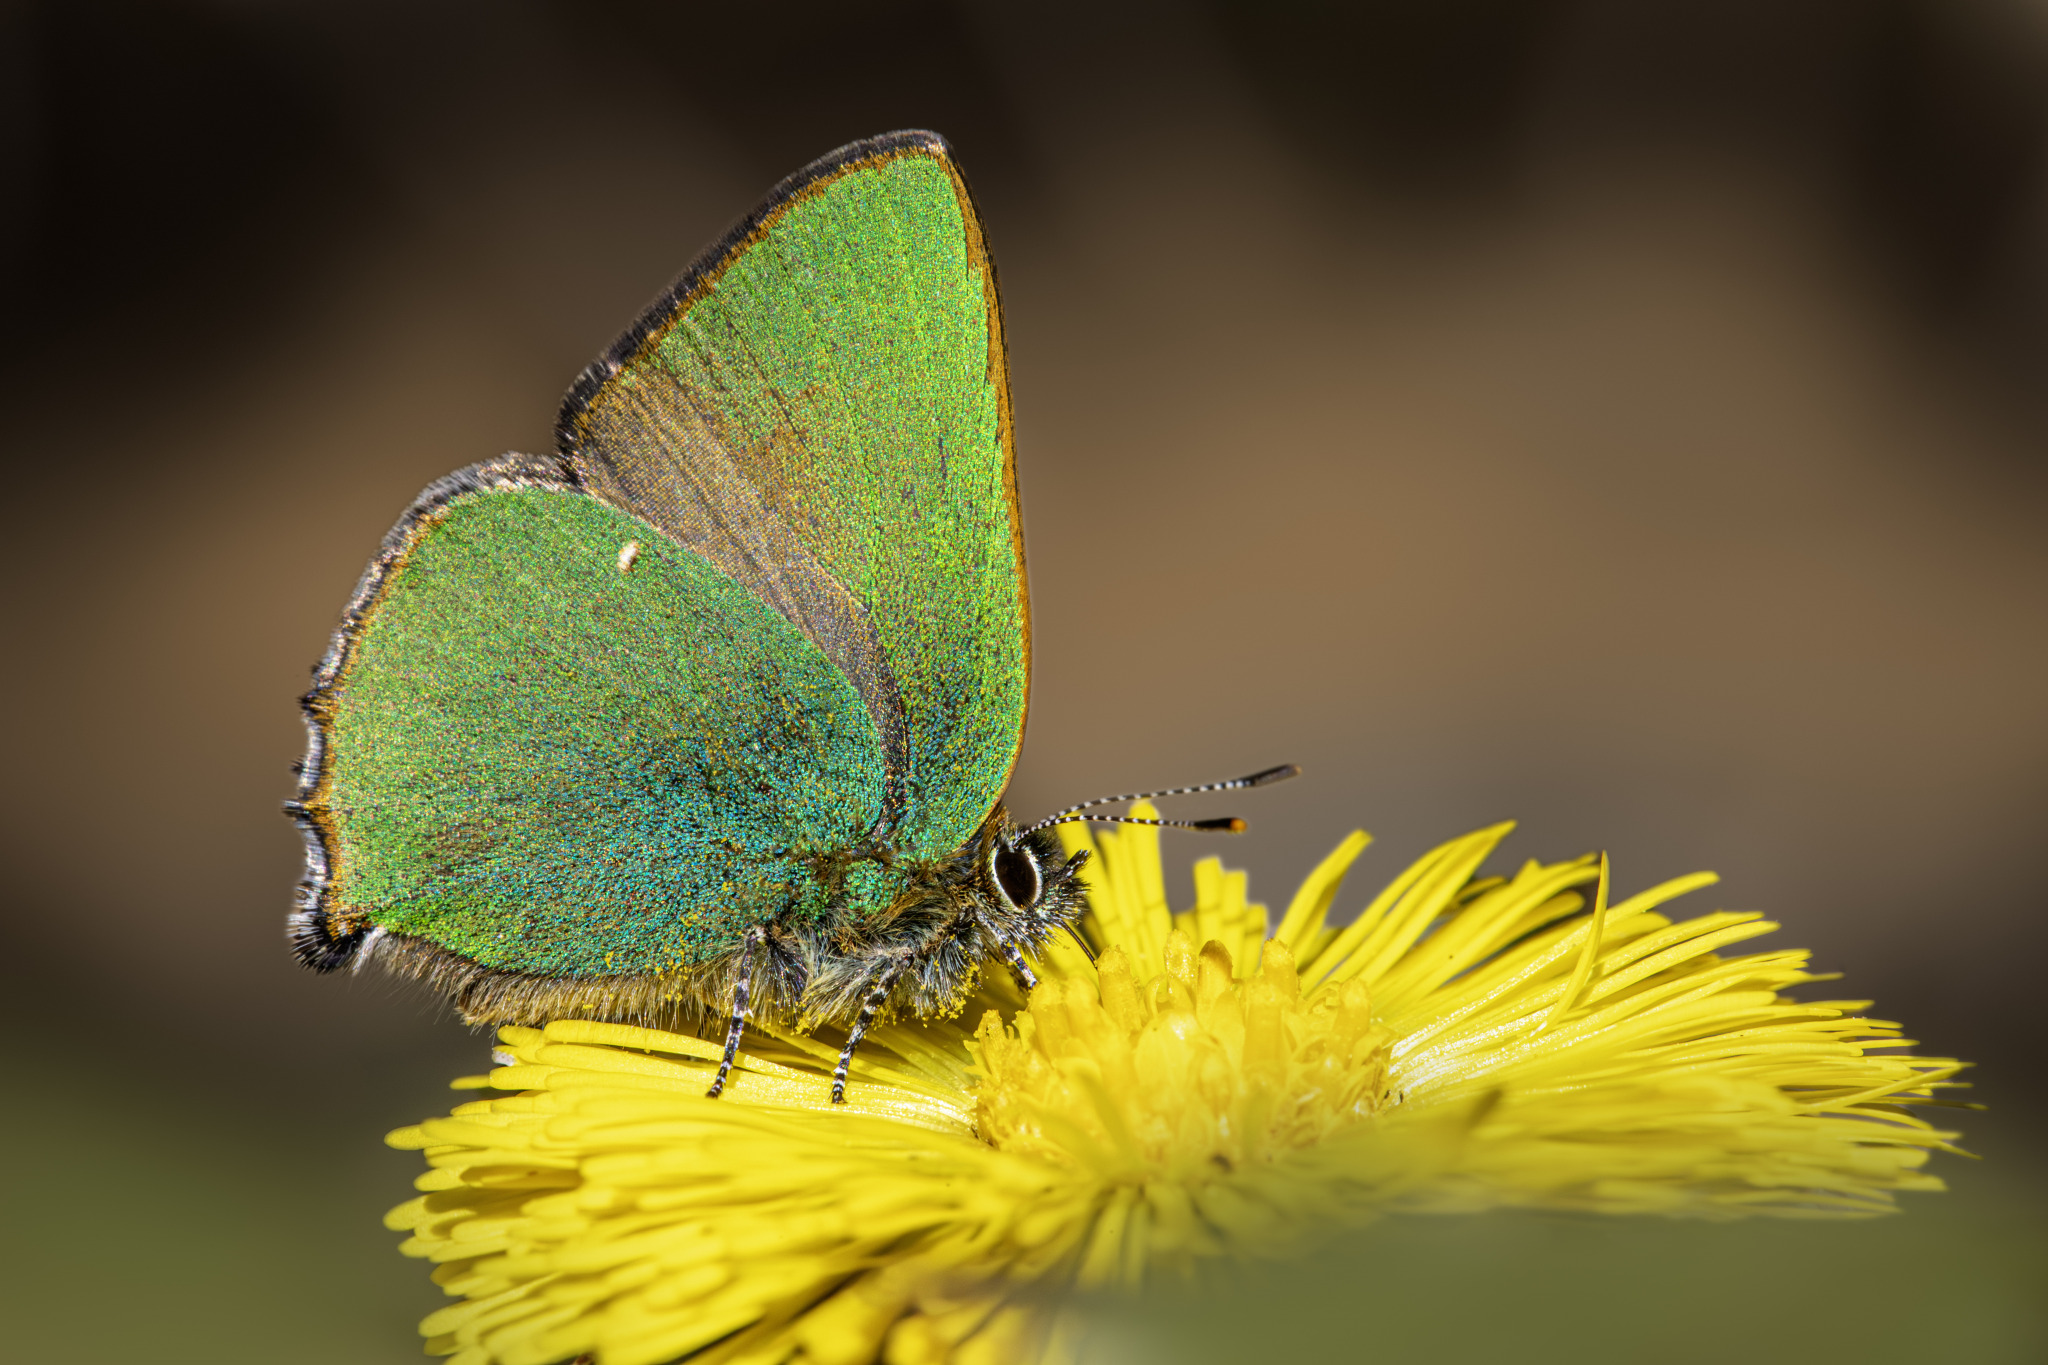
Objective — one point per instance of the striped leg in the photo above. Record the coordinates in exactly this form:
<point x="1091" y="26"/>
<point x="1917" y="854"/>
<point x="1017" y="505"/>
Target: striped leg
<point x="868" y="1009"/>
<point x="739" y="1014"/>
<point x="1026" y="978"/>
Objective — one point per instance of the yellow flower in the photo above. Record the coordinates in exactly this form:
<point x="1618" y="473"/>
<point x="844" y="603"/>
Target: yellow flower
<point x="1466" y="1042"/>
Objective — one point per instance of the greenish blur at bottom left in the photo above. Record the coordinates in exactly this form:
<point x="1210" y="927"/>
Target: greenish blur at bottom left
<point x="140" y="1224"/>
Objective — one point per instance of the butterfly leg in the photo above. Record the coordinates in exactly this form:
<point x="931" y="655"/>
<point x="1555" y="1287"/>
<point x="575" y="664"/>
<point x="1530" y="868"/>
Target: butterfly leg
<point x="1027" y="980"/>
<point x="869" y="1007"/>
<point x="739" y="1014"/>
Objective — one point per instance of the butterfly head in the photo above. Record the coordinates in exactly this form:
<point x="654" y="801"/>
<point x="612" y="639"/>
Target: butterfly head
<point x="1026" y="887"/>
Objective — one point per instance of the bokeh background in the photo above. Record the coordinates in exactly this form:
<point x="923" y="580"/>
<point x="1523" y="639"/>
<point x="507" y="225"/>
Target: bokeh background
<point x="1624" y="416"/>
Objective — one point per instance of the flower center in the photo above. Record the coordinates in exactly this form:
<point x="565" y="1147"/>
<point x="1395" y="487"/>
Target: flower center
<point x="1186" y="1077"/>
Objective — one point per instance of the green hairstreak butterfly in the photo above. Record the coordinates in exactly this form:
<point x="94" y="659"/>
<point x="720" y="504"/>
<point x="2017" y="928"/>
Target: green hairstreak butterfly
<point x="716" y="704"/>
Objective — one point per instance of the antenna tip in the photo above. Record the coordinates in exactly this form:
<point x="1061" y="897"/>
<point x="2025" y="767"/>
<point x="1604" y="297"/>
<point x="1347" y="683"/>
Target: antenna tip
<point x="1229" y="824"/>
<point x="1272" y="775"/>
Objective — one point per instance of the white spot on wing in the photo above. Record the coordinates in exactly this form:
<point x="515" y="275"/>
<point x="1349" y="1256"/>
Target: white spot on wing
<point x="628" y="552"/>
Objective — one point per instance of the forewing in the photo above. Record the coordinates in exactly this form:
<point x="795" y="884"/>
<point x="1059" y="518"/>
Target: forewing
<point x="553" y="754"/>
<point x="820" y="407"/>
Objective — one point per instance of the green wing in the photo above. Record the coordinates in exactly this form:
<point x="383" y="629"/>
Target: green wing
<point x="820" y="408"/>
<point x="555" y="756"/>
<point x="552" y="760"/>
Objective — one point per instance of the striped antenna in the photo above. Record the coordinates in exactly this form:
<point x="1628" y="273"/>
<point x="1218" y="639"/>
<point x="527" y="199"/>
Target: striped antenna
<point x="1227" y="825"/>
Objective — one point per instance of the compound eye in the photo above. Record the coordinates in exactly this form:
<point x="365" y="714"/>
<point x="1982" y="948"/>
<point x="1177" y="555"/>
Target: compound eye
<point x="1016" y="874"/>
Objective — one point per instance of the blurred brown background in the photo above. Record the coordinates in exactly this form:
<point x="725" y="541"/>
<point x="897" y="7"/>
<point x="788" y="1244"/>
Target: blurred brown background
<point x="1621" y="416"/>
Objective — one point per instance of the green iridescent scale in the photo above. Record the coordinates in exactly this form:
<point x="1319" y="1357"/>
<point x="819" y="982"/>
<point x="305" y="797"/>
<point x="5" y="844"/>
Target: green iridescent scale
<point x="550" y="765"/>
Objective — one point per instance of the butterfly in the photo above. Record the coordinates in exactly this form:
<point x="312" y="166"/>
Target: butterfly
<point x="716" y="704"/>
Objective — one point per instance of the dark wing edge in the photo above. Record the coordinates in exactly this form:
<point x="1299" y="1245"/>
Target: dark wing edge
<point x="316" y="940"/>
